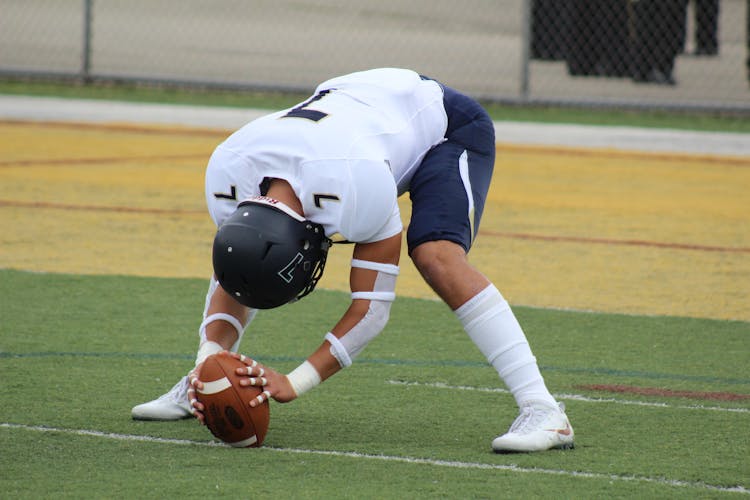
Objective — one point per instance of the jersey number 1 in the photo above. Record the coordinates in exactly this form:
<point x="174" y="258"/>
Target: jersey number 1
<point x="302" y="111"/>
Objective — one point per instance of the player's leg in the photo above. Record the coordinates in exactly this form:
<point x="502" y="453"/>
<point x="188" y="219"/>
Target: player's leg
<point x="222" y="195"/>
<point x="448" y="193"/>
<point x="174" y="404"/>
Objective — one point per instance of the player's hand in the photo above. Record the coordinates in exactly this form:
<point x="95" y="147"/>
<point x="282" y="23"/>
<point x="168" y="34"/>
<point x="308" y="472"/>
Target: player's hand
<point x="274" y="384"/>
<point x="194" y="384"/>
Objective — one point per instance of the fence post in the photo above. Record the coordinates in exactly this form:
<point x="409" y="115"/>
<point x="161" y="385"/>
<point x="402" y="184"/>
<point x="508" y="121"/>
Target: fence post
<point x="525" y="48"/>
<point x="86" y="56"/>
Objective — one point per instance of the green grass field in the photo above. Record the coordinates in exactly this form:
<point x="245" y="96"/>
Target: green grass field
<point x="412" y="418"/>
<point x="660" y="404"/>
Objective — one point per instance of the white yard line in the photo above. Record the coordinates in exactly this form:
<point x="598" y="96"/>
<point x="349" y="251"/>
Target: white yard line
<point x="390" y="458"/>
<point x="572" y="397"/>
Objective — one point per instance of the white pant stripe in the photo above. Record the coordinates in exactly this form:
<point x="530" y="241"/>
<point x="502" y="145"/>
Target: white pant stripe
<point x="463" y="169"/>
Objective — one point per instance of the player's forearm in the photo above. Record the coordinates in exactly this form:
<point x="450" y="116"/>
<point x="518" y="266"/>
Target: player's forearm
<point x="326" y="360"/>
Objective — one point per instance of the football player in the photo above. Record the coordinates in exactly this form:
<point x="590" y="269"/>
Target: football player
<point x="285" y="186"/>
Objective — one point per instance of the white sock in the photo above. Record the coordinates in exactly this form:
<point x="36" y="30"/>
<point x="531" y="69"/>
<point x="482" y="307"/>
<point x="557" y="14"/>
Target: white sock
<point x="493" y="328"/>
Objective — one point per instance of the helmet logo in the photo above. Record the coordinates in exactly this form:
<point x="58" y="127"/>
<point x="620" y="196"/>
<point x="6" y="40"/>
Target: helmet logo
<point x="287" y="273"/>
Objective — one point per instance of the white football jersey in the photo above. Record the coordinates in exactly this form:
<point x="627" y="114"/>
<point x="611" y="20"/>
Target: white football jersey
<point x="347" y="152"/>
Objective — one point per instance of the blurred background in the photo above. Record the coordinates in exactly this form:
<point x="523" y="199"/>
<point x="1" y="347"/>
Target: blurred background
<point x="652" y="54"/>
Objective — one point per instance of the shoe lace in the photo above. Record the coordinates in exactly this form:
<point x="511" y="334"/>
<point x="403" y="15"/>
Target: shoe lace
<point x="530" y="419"/>
<point x="178" y="393"/>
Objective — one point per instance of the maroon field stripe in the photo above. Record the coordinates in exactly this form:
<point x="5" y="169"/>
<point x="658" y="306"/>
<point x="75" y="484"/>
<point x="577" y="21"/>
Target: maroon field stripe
<point x="96" y="208"/>
<point x="121" y="127"/>
<point x="655" y="391"/>
<point x="221" y="132"/>
<point x="79" y="161"/>
<point x="522" y="236"/>
<point x="610" y="241"/>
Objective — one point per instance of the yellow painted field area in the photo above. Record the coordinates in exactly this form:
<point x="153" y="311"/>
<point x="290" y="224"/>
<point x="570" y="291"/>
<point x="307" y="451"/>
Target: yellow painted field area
<point x="593" y="230"/>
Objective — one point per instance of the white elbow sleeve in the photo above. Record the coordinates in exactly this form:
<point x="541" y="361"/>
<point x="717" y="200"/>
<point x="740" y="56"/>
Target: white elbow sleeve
<point x="346" y="348"/>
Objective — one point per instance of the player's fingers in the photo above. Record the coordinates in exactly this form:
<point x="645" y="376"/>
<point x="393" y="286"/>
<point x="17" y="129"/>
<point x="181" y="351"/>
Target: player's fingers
<point x="196" y="408"/>
<point x="250" y="362"/>
<point x="194" y="382"/>
<point x="200" y="417"/>
<point x="260" y="398"/>
<point x="193" y="400"/>
<point x="248" y="370"/>
<point x="261" y="381"/>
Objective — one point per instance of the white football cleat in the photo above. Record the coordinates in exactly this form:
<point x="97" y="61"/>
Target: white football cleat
<point x="539" y="427"/>
<point x="173" y="405"/>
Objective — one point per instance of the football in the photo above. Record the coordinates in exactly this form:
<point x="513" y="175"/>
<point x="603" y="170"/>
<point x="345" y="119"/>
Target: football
<point x="228" y="414"/>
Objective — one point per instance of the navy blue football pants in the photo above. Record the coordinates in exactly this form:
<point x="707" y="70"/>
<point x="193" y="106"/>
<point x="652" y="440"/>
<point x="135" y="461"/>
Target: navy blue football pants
<point x="449" y="189"/>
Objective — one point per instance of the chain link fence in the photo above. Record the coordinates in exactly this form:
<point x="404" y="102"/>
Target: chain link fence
<point x="642" y="53"/>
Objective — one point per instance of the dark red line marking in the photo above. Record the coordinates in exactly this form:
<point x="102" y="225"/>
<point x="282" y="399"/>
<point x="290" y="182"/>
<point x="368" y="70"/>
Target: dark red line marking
<point x="94" y="161"/>
<point x="520" y="236"/>
<point x="119" y="127"/>
<point x="655" y="391"/>
<point x="97" y="208"/>
<point x="535" y="149"/>
<point x="609" y="241"/>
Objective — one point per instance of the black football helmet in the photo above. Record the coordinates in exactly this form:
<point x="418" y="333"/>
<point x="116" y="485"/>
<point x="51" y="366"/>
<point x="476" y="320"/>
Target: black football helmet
<point x="266" y="255"/>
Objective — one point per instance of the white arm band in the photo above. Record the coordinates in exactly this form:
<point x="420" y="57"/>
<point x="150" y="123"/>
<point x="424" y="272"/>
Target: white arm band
<point x="338" y="350"/>
<point x="303" y="378"/>
<point x="209" y="347"/>
<point x="381" y="267"/>
<point x="385" y="282"/>
<point x="221" y="317"/>
<point x="212" y="286"/>
<point x="206" y="349"/>
<point x="386" y="296"/>
<point x="346" y="348"/>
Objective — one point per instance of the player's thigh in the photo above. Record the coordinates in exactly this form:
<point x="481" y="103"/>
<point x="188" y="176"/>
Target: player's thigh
<point x="448" y="192"/>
